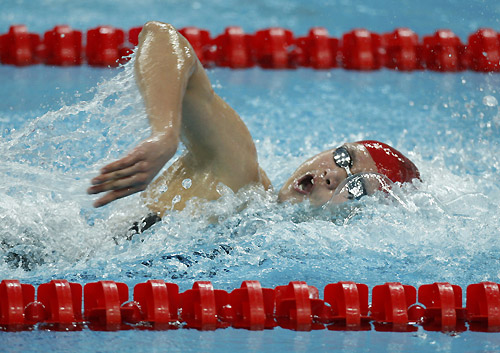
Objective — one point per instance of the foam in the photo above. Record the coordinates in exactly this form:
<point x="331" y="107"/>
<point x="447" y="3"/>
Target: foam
<point x="444" y="229"/>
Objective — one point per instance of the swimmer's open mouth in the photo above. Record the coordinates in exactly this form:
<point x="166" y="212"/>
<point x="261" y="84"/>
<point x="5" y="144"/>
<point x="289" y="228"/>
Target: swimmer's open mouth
<point x="305" y="184"/>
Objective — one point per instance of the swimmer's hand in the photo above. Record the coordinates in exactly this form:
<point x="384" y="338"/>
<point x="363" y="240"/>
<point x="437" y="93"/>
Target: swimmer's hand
<point x="134" y="172"/>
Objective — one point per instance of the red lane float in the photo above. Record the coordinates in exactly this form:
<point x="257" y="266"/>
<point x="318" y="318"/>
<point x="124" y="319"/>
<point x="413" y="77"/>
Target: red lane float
<point x="158" y="305"/>
<point x="232" y="49"/>
<point x="63" y="46"/>
<point x="205" y="308"/>
<point x="443" y="307"/>
<point x="317" y="50"/>
<point x="403" y="50"/>
<point x="133" y="35"/>
<point x="360" y="50"/>
<point x="299" y="308"/>
<point x="102" y="305"/>
<point x="483" y="306"/>
<point x="14" y="298"/>
<point x="349" y="304"/>
<point x="19" y="47"/>
<point x="484" y="51"/>
<point x="272" y="48"/>
<point x="62" y="301"/>
<point x="253" y="306"/>
<point x="442" y="52"/>
<point x="103" y="46"/>
<point x="390" y="307"/>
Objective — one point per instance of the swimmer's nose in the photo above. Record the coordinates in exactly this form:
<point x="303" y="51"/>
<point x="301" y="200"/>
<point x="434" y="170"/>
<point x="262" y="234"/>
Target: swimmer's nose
<point x="331" y="179"/>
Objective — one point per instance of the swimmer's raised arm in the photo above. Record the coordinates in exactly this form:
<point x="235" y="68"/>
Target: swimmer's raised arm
<point x="180" y="104"/>
<point x="164" y="63"/>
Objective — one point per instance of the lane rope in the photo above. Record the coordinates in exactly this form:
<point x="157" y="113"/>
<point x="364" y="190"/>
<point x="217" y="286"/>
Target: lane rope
<point x="159" y="305"/>
<point x="271" y="48"/>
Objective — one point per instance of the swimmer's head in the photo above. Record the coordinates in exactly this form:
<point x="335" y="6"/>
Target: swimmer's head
<point x="317" y="179"/>
<point x="390" y="162"/>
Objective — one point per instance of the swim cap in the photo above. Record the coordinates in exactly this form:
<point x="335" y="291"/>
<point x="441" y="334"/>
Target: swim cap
<point x="391" y="162"/>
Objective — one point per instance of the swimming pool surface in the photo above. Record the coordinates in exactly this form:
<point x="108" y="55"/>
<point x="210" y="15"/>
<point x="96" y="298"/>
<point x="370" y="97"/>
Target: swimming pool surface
<point x="58" y="126"/>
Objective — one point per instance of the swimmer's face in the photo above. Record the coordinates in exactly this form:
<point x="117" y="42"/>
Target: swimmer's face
<point x="317" y="178"/>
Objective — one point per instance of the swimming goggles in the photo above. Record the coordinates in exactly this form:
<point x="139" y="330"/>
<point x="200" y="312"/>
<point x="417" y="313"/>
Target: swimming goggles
<point x="354" y="186"/>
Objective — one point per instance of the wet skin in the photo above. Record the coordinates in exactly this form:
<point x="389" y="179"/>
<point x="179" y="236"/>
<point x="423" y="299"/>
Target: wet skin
<point x="182" y="106"/>
<point x="318" y="177"/>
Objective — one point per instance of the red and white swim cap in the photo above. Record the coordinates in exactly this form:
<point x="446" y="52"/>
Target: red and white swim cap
<point x="390" y="162"/>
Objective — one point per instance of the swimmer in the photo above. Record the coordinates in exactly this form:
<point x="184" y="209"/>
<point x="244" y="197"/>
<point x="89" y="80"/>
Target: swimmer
<point x="182" y="107"/>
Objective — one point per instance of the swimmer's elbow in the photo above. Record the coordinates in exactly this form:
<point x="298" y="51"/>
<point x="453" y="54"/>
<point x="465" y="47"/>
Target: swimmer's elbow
<point x="160" y="41"/>
<point x="155" y="28"/>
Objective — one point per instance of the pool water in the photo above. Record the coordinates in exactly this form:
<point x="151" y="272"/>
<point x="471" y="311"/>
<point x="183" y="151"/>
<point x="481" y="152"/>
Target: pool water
<point x="60" y="125"/>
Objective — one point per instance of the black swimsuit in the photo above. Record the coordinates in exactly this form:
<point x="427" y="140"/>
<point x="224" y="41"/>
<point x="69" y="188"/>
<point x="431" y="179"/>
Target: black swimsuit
<point x="146" y="223"/>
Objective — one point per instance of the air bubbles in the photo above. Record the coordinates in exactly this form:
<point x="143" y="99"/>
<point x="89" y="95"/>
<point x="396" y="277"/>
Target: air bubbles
<point x="186" y="183"/>
<point x="217" y="85"/>
<point x="490" y="101"/>
<point x="176" y="199"/>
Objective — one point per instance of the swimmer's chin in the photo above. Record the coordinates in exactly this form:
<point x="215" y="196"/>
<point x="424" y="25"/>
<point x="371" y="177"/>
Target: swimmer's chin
<point x="293" y="197"/>
<point x="298" y="200"/>
<point x="291" y="200"/>
<point x="288" y="194"/>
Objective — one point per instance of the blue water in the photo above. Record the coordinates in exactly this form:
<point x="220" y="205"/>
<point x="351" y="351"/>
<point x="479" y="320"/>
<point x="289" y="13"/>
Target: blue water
<point x="60" y="125"/>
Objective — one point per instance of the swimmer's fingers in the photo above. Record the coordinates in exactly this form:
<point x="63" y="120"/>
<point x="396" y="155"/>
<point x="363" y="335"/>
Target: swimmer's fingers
<point x="124" y="167"/>
<point x="137" y="180"/>
<point x="115" y="195"/>
<point x="132" y="158"/>
<point x="119" y="174"/>
<point x="134" y="172"/>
